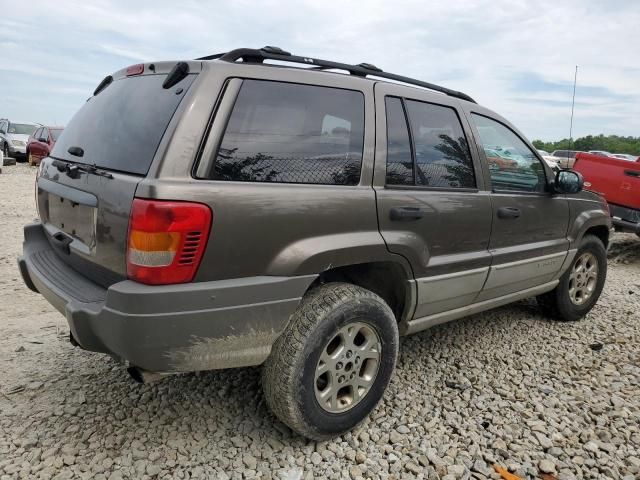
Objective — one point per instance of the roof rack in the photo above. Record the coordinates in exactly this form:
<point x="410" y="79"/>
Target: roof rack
<point x="252" y="55"/>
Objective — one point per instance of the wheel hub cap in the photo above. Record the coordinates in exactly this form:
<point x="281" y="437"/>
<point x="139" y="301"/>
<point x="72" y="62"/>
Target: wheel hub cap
<point x="583" y="278"/>
<point x="347" y="367"/>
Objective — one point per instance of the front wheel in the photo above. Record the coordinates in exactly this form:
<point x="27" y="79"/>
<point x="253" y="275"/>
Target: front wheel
<point x="581" y="285"/>
<point x="332" y="364"/>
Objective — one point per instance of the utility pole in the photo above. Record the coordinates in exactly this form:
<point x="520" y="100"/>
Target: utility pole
<point x="573" y="102"/>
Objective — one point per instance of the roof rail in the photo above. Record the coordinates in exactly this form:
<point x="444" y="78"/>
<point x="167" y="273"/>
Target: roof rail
<point x="252" y="55"/>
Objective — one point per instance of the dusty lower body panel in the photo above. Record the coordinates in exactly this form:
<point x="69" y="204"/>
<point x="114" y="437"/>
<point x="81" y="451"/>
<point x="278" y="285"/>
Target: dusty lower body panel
<point x="169" y="328"/>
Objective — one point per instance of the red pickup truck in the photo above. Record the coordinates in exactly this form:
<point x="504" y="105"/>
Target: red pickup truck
<point x="619" y="182"/>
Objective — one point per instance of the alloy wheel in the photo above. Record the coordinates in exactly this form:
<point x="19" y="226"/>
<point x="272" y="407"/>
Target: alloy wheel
<point x="347" y="367"/>
<point x="583" y="278"/>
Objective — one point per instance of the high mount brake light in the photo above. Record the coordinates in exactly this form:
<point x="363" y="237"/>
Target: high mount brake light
<point x="166" y="240"/>
<point x="135" y="69"/>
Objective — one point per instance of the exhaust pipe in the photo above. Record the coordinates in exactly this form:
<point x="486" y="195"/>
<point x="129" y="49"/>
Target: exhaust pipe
<point x="144" y="376"/>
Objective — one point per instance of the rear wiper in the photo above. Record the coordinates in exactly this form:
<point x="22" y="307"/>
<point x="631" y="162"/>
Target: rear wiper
<point x="72" y="169"/>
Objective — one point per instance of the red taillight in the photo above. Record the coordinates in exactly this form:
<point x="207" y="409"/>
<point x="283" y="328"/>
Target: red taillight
<point x="166" y="240"/>
<point x="135" y="69"/>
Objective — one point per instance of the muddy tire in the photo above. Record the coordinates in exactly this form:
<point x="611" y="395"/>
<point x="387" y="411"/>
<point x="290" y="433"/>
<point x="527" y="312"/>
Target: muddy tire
<point x="581" y="285"/>
<point x="332" y="364"/>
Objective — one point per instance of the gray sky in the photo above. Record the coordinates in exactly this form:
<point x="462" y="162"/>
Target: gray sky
<point x="516" y="57"/>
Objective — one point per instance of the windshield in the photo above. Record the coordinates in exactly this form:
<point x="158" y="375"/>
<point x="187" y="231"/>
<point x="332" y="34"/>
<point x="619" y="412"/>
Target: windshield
<point x="121" y="127"/>
<point x="55" y="133"/>
<point x="22" y="128"/>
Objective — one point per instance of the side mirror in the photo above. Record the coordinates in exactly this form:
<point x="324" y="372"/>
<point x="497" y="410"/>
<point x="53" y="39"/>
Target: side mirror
<point x="568" y="181"/>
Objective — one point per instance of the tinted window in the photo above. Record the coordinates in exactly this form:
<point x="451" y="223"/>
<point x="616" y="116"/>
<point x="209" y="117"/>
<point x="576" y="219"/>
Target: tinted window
<point x="441" y="149"/>
<point x="37" y="134"/>
<point x="284" y="132"/>
<point x="399" y="160"/>
<point x="121" y="127"/>
<point x="44" y="134"/>
<point x="512" y="164"/>
<point x="55" y="133"/>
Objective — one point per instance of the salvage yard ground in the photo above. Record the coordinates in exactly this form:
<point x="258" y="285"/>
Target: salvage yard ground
<point x="505" y="387"/>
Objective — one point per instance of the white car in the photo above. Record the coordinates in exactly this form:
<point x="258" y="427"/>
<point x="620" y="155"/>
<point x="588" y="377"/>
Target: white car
<point x="14" y="137"/>
<point x="549" y="159"/>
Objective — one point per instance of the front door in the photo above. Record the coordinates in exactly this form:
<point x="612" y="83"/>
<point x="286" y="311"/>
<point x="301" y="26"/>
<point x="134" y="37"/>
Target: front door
<point x="529" y="236"/>
<point x="432" y="207"/>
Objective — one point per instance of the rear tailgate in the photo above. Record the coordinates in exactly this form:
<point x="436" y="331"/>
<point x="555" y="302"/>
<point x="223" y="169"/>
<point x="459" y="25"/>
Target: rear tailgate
<point x="617" y="180"/>
<point x="84" y="199"/>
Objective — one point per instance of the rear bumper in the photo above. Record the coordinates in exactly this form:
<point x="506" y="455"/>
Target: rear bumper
<point x="169" y="328"/>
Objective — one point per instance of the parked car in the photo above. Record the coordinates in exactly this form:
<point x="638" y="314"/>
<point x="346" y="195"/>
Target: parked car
<point x="624" y="156"/>
<point x="551" y="160"/>
<point x="602" y="153"/>
<point x="227" y="212"/>
<point x="619" y="182"/>
<point x="14" y="137"/>
<point x="41" y="143"/>
<point x="564" y="158"/>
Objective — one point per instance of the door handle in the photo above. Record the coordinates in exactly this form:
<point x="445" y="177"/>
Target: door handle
<point x="508" y="212"/>
<point x="632" y="173"/>
<point x="406" y="213"/>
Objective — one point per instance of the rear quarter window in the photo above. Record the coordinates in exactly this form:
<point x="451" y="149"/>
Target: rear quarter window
<point x="292" y="133"/>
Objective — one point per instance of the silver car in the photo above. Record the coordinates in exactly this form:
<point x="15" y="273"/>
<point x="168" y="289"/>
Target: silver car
<point x="14" y="137"/>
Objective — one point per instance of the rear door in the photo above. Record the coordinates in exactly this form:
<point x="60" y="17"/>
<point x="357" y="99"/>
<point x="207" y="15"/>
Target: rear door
<point x="432" y="206"/>
<point x="85" y="212"/>
<point x="529" y="236"/>
<point x="34" y="147"/>
<point x="42" y="146"/>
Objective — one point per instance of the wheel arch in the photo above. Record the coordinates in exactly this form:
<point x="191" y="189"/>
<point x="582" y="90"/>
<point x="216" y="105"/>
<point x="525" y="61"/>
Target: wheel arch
<point x="388" y="279"/>
<point x="600" y="231"/>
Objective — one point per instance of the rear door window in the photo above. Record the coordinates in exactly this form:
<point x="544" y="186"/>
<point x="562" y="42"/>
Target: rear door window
<point x="432" y="152"/>
<point x="441" y="149"/>
<point x="55" y="133"/>
<point x="121" y="127"/>
<point x="399" y="160"/>
<point x="37" y="134"/>
<point x="292" y="133"/>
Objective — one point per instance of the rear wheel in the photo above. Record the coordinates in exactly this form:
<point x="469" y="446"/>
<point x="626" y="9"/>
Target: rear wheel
<point x="332" y="364"/>
<point x="581" y="285"/>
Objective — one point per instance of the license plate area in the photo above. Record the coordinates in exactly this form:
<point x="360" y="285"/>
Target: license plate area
<point x="72" y="218"/>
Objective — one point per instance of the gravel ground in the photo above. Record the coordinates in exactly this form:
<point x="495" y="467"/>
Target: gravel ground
<point x="505" y="387"/>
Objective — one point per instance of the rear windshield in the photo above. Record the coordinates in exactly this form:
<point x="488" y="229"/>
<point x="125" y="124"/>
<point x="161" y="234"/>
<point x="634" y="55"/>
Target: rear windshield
<point x="121" y="127"/>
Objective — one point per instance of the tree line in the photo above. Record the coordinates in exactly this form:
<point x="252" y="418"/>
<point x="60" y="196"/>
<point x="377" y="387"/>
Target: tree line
<point x="609" y="143"/>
